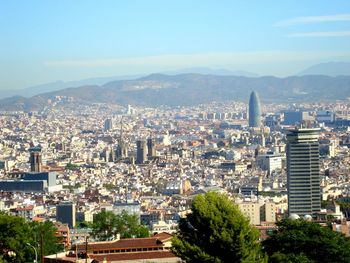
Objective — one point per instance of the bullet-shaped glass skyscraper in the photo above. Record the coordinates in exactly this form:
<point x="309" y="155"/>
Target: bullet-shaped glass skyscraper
<point x="303" y="172"/>
<point x="254" y="110"/>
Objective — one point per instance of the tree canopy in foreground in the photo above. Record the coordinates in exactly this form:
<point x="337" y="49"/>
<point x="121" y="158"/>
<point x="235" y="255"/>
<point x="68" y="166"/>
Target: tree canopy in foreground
<point x="216" y="231"/>
<point x="303" y="241"/>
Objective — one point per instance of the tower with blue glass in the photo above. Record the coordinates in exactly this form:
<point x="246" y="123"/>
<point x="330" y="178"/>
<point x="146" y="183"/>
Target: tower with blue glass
<point x="254" y="110"/>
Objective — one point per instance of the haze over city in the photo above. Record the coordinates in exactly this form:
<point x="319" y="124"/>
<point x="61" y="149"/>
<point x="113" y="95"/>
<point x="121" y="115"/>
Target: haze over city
<point x="49" y="41"/>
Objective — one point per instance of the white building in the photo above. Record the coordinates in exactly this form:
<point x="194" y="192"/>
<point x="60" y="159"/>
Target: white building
<point x="270" y="162"/>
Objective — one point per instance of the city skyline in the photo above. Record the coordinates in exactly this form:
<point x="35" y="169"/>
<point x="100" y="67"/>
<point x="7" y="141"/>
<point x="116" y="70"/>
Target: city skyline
<point x="45" y="42"/>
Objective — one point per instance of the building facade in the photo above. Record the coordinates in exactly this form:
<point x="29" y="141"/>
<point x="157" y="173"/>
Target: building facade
<point x="270" y="162"/>
<point x="141" y="154"/>
<point x="65" y="213"/>
<point x="303" y="172"/>
<point x="258" y="212"/>
<point x="35" y="159"/>
<point x="151" y="150"/>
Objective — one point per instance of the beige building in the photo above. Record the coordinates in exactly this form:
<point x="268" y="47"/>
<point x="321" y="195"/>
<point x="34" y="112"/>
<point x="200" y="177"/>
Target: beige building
<point x="268" y="212"/>
<point x="252" y="211"/>
<point x="258" y="211"/>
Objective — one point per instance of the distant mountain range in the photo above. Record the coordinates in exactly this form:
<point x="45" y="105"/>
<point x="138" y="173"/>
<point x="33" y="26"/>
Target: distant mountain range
<point x="192" y="89"/>
<point x="58" y="85"/>
<point x="329" y="69"/>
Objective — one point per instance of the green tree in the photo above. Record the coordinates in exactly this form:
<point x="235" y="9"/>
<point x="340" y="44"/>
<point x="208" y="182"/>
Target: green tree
<point x="107" y="225"/>
<point x="72" y="166"/>
<point x="16" y="234"/>
<point x="104" y="226"/>
<point x="216" y="231"/>
<point x="83" y="224"/>
<point x="129" y="226"/>
<point x="52" y="243"/>
<point x="289" y="258"/>
<point x="300" y="239"/>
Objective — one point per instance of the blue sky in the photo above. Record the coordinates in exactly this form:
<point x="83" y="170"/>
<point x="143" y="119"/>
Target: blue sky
<point x="44" y="41"/>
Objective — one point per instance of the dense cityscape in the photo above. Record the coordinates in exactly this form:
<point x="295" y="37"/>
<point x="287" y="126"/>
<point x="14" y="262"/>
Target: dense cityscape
<point x="69" y="162"/>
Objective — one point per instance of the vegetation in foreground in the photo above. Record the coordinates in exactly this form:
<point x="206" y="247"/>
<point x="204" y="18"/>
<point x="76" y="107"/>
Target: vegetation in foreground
<point x="216" y="231"/>
<point x="303" y="241"/>
<point x="16" y="234"/>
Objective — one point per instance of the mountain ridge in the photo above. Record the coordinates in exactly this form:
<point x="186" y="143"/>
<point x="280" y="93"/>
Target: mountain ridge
<point x="193" y="89"/>
<point x="59" y="84"/>
<point x="329" y="69"/>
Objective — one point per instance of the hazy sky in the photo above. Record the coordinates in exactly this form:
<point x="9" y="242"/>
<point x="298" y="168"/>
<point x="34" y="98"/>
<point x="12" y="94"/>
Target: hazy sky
<point x="43" y="41"/>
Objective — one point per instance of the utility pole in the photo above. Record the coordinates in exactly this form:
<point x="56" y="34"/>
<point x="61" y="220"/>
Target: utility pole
<point x="41" y="247"/>
<point x="86" y="249"/>
<point x="76" y="251"/>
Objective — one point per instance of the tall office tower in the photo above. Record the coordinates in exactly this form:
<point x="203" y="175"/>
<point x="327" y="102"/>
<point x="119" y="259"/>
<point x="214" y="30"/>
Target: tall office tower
<point x="151" y="151"/>
<point x="108" y="124"/>
<point x="35" y="159"/>
<point x="254" y="110"/>
<point x="141" y="155"/>
<point x="303" y="172"/>
<point x="65" y="213"/>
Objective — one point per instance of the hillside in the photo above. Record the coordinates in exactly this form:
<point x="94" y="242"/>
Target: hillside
<point x="191" y="89"/>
